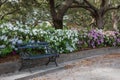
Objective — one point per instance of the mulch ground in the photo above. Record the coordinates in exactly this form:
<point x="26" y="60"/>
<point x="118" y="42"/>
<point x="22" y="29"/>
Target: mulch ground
<point x="9" y="58"/>
<point x="14" y="57"/>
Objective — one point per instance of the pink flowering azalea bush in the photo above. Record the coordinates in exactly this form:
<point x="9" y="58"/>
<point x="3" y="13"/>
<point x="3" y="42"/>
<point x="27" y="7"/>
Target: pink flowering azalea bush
<point x="98" y="38"/>
<point x="112" y="38"/>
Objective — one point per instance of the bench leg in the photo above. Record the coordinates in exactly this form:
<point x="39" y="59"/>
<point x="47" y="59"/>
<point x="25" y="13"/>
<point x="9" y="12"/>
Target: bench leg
<point x="56" y="63"/>
<point x="20" y="68"/>
<point x="52" y="59"/>
<point x="21" y="65"/>
<point x="48" y="61"/>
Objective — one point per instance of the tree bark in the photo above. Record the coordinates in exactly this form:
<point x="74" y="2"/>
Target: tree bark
<point x="99" y="21"/>
<point x="58" y="23"/>
<point x="57" y="15"/>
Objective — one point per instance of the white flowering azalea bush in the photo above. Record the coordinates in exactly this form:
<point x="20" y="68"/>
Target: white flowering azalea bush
<point x="63" y="41"/>
<point x="10" y="35"/>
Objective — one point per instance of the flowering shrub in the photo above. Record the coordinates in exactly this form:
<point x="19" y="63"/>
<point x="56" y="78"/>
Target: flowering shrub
<point x="98" y="38"/>
<point x="63" y="41"/>
<point x="112" y="38"/>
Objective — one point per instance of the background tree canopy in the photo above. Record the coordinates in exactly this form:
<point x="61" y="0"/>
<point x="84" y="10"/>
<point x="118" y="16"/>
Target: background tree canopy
<point x="62" y="13"/>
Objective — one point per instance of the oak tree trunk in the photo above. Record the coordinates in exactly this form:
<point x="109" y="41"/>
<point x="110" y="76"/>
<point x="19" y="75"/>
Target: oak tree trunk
<point x="57" y="15"/>
<point x="99" y="22"/>
<point x="58" y="23"/>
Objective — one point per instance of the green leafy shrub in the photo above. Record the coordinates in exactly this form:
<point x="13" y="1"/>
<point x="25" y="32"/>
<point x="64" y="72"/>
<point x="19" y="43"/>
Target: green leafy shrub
<point x="64" y="41"/>
<point x="5" y="51"/>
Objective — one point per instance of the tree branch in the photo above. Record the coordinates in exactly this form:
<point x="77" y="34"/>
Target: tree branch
<point x="1" y="3"/>
<point x="64" y="7"/>
<point x="91" y="8"/>
<point x="103" y="3"/>
<point x="84" y="7"/>
<point x="2" y="17"/>
<point x="90" y="5"/>
<point x="112" y="8"/>
<point x="79" y="6"/>
<point x="78" y="2"/>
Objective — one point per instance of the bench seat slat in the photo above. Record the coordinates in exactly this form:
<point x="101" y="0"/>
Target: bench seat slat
<point x="25" y="47"/>
<point x="36" y="43"/>
<point x="40" y="56"/>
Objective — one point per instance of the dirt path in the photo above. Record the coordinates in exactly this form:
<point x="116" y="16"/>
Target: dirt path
<point x="105" y="67"/>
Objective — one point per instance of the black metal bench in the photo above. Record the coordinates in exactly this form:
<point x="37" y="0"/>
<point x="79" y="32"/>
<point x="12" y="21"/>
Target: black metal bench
<point x="37" y="50"/>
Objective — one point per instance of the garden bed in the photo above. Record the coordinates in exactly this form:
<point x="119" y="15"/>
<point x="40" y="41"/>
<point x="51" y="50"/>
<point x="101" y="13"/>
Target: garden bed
<point x="9" y="58"/>
<point x="14" y="57"/>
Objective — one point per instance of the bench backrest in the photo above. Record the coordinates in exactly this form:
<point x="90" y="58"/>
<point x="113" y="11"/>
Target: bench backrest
<point x="32" y="45"/>
<point x="36" y="45"/>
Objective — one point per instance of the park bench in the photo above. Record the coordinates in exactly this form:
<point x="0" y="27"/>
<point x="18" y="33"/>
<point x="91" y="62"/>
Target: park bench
<point x="36" y="50"/>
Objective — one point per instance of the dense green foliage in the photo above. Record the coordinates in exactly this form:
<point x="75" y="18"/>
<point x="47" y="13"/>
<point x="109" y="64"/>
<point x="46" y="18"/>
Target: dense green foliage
<point x="64" y="41"/>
